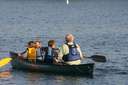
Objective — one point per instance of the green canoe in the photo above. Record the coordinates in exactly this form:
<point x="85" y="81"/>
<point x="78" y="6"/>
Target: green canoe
<point x="80" y="70"/>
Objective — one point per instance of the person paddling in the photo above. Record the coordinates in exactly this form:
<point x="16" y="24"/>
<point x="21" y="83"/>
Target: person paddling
<point x="51" y="52"/>
<point x="70" y="52"/>
<point x="30" y="52"/>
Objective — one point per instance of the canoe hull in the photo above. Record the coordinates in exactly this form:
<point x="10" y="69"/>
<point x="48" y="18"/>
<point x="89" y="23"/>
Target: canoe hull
<point x="83" y="69"/>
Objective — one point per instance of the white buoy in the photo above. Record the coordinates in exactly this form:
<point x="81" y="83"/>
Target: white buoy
<point x="67" y="2"/>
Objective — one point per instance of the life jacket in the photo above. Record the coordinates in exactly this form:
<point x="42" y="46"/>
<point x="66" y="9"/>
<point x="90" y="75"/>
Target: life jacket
<point x="50" y="54"/>
<point x="31" y="53"/>
<point x="39" y="52"/>
<point x="73" y="53"/>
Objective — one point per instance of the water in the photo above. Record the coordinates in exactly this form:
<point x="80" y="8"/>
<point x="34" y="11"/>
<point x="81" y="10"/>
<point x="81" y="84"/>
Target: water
<point x="100" y="26"/>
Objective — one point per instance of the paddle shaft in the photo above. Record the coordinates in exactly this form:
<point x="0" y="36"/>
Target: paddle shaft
<point x="97" y="58"/>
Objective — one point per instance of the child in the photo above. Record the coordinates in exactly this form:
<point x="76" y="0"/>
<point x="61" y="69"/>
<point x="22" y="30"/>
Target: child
<point x="30" y="52"/>
<point x="51" y="52"/>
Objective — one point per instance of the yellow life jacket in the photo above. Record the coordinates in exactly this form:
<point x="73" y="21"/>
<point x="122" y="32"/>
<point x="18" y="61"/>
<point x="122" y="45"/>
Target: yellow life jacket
<point x="31" y="53"/>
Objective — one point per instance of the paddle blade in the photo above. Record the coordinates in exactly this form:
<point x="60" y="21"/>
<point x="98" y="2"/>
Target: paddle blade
<point x="98" y="58"/>
<point x="5" y="61"/>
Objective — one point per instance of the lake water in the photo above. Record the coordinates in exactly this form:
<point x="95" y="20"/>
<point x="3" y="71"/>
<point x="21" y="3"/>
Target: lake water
<point x="100" y="26"/>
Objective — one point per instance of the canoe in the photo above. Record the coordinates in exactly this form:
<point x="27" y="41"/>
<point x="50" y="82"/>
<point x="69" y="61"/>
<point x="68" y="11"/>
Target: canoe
<point x="80" y="70"/>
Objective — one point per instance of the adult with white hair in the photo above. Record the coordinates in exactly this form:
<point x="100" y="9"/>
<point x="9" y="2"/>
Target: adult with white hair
<point x="70" y="52"/>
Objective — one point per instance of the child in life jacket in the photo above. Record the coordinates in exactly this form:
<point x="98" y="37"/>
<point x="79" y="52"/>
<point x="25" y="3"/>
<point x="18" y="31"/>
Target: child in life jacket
<point x="30" y="52"/>
<point x="51" y="52"/>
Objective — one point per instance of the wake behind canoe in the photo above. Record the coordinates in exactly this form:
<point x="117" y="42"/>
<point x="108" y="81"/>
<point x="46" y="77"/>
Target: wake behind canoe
<point x="81" y="70"/>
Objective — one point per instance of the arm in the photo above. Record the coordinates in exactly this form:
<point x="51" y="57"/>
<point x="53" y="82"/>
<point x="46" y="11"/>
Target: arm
<point x="23" y="54"/>
<point x="79" y="50"/>
<point x="60" y="54"/>
<point x="64" y="50"/>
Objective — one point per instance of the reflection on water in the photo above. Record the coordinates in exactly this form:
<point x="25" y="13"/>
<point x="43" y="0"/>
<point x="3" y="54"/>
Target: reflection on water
<point x="5" y="74"/>
<point x="37" y="79"/>
<point x="29" y="78"/>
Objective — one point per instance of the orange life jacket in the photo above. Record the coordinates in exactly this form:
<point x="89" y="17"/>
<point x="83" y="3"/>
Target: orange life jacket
<point x="31" y="53"/>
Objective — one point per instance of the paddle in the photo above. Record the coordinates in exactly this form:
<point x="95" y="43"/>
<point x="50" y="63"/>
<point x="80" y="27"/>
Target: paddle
<point x="5" y="61"/>
<point x="97" y="58"/>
